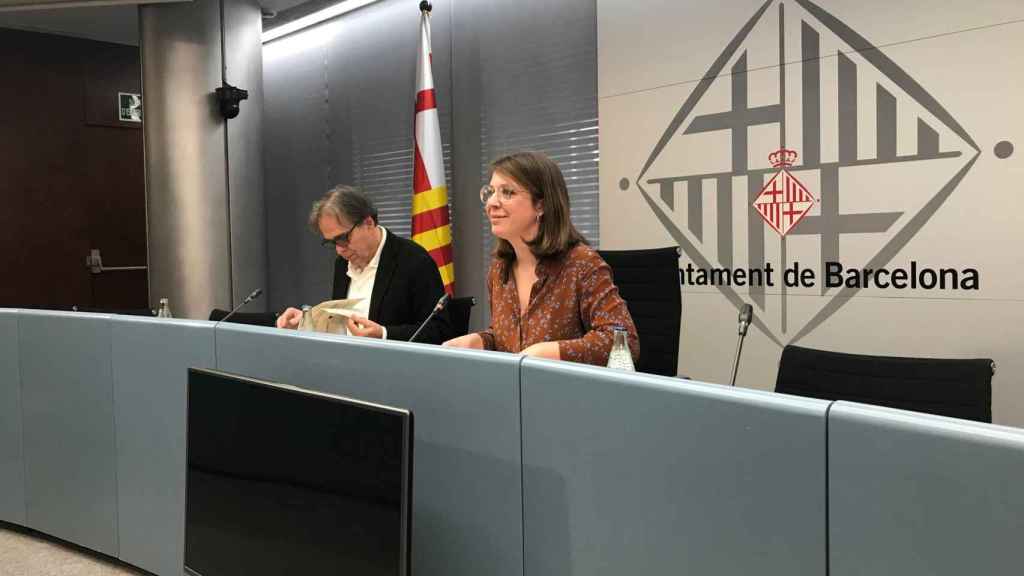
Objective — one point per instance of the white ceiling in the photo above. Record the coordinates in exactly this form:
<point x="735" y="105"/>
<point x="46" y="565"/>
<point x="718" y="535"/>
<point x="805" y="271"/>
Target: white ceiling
<point x="118" y="24"/>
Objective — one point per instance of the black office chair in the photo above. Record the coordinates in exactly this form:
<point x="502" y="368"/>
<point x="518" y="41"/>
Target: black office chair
<point x="459" y="310"/>
<point x="648" y="281"/>
<point x="958" y="388"/>
<point x="252" y="318"/>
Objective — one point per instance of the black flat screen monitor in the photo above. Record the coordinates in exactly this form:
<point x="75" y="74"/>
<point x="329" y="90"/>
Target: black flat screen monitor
<point x="287" y="481"/>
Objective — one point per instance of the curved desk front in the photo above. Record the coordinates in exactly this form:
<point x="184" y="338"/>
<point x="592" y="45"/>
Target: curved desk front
<point x="522" y="467"/>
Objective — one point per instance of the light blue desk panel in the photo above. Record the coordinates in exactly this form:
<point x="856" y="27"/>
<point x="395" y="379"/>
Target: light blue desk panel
<point x="68" y="418"/>
<point x="151" y="357"/>
<point x="467" y="485"/>
<point x="12" y="465"/>
<point x="920" y="495"/>
<point x="639" y="474"/>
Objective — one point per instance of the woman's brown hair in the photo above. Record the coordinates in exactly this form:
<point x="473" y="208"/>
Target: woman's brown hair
<point x="542" y="178"/>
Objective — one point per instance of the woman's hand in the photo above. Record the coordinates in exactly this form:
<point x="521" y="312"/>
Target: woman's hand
<point x="468" y="341"/>
<point x="547" y="350"/>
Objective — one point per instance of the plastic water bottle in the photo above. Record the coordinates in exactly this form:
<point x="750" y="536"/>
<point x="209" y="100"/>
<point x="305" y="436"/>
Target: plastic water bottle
<point x="620" y="356"/>
<point x="306" y="324"/>
<point x="165" y="309"/>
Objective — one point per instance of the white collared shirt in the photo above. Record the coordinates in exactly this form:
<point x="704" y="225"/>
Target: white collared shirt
<point x="361" y="281"/>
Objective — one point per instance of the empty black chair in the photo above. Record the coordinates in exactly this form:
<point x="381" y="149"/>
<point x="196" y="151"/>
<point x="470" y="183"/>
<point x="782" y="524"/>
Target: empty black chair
<point x="253" y="318"/>
<point x="459" y="310"/>
<point x="648" y="281"/>
<point x="958" y="388"/>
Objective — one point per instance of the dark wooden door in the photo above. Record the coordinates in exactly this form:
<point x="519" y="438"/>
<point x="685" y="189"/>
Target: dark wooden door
<point x="71" y="174"/>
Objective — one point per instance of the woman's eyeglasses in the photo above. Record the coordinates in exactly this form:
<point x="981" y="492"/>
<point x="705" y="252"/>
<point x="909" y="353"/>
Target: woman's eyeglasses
<point x="341" y="240"/>
<point x="505" y="193"/>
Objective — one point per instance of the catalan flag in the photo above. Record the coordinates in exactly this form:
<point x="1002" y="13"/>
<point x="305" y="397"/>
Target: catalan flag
<point x="431" y="226"/>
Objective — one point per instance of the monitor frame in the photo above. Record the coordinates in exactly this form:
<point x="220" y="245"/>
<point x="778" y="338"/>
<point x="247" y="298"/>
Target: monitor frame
<point x="408" y="430"/>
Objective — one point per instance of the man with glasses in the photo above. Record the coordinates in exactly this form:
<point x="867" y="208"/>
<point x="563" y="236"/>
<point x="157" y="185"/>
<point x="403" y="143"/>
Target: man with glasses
<point x="396" y="280"/>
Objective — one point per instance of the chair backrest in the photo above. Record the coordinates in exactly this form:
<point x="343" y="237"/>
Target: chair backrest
<point x="958" y="388"/>
<point x="459" y="310"/>
<point x="253" y="318"/>
<point x="648" y="280"/>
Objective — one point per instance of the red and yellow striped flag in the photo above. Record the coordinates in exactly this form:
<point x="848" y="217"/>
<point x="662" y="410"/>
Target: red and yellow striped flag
<point x="430" y="219"/>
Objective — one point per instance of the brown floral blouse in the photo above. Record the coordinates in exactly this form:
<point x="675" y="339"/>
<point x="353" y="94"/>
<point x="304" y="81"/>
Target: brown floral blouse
<point x="573" y="302"/>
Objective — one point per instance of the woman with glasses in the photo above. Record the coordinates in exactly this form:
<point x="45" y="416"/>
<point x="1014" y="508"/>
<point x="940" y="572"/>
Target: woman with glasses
<point x="395" y="280"/>
<point x="552" y="296"/>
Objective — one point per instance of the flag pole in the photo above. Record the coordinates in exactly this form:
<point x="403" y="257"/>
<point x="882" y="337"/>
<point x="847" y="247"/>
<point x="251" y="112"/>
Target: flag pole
<point x="431" y="214"/>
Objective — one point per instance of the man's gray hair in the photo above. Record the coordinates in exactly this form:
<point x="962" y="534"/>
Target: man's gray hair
<point x="342" y="202"/>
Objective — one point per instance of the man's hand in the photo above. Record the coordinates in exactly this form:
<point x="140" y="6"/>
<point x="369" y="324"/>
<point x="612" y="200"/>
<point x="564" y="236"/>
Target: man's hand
<point x="468" y="341"/>
<point x="290" y="319"/>
<point x="360" y="326"/>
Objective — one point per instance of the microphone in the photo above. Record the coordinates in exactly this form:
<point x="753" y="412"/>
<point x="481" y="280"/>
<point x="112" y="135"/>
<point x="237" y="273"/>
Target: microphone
<point x="437" y="308"/>
<point x="252" y="296"/>
<point x="746" y="317"/>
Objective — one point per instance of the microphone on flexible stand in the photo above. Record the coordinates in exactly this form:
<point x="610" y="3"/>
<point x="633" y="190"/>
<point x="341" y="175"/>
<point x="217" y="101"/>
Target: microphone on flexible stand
<point x="746" y="317"/>
<point x="254" y="295"/>
<point x="437" y="309"/>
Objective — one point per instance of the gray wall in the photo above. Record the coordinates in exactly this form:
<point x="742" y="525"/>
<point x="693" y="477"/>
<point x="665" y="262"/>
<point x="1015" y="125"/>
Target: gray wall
<point x="339" y="109"/>
<point x="526" y="79"/>
<point x="247" y="207"/>
<point x="899" y="111"/>
<point x="204" y="192"/>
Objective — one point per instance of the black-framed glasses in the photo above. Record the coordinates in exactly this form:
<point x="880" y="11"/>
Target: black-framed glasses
<point x="505" y="193"/>
<point x="341" y="240"/>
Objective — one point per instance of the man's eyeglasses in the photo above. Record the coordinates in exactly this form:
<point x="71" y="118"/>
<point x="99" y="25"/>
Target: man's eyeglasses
<point x="341" y="240"/>
<point x="505" y="193"/>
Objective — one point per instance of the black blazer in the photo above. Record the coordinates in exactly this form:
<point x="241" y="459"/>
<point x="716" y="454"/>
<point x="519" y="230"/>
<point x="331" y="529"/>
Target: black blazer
<point x="405" y="290"/>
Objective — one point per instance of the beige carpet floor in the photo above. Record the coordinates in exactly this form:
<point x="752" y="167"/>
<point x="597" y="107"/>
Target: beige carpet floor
<point x="28" y="554"/>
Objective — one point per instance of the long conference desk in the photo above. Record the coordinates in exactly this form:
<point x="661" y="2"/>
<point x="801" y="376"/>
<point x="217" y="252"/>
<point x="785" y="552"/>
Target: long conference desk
<point x="522" y="467"/>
